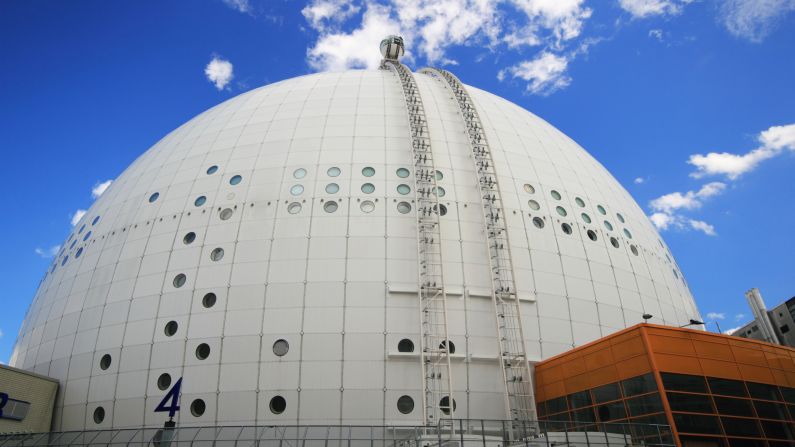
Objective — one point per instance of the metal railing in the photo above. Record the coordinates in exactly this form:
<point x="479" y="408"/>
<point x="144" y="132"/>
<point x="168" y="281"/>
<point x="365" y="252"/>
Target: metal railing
<point x="467" y="433"/>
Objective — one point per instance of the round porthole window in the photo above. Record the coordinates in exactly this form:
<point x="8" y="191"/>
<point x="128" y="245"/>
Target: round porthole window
<point x="189" y="238"/>
<point x="627" y="234"/>
<point x="533" y="205"/>
<point x="443" y="345"/>
<point x="330" y="207"/>
<point x="281" y="347"/>
<point x="555" y="195"/>
<point x="104" y="362"/>
<point x="86" y="236"/>
<point x="217" y="254"/>
<point x="179" y="280"/>
<point x="586" y="218"/>
<point x="528" y="188"/>
<point x="208" y="300"/>
<point x="171" y="328"/>
<point x="66" y="258"/>
<point x="439" y="191"/>
<point x="403" y="189"/>
<point x="200" y="201"/>
<point x="94" y="222"/>
<point x="333" y="171"/>
<point x="405" y="345"/>
<point x="601" y="210"/>
<point x="202" y="351"/>
<point x="368" y="172"/>
<point x="561" y="210"/>
<point x="566" y="228"/>
<point x="72" y="245"/>
<point x="403" y="207"/>
<point x="212" y="170"/>
<point x="332" y="188"/>
<point x="444" y="405"/>
<point x="592" y="235"/>
<point x="299" y="173"/>
<point x="294" y="208"/>
<point x="226" y="213"/>
<point x="79" y="252"/>
<point x="442" y="209"/>
<point x="633" y="249"/>
<point x="277" y="405"/>
<point x="164" y="381"/>
<point x="609" y="226"/>
<point x="439" y="175"/>
<point x="405" y="404"/>
<point x="367" y="206"/>
<point x="154" y="197"/>
<point x="99" y="415"/>
<point x="620" y="217"/>
<point x="579" y="202"/>
<point x="614" y="242"/>
<point x="402" y="172"/>
<point x="368" y="188"/>
<point x="197" y="407"/>
<point x="296" y="190"/>
<point x="538" y="222"/>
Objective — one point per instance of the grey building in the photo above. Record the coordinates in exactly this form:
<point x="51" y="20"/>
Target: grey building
<point x="781" y="319"/>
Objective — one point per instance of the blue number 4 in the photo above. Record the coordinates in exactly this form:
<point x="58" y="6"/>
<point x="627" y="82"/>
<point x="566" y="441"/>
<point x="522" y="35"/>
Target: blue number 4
<point x="173" y="396"/>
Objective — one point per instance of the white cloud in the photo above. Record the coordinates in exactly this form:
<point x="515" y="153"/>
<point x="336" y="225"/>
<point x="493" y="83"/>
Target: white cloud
<point x="545" y="74"/>
<point x="656" y="34"/>
<point x="639" y="180"/>
<point x="732" y="330"/>
<point x="662" y="221"/>
<point x="322" y="13"/>
<point x="357" y="49"/>
<point x="689" y="200"/>
<point x="754" y="19"/>
<point x="773" y="141"/>
<point x="647" y="8"/>
<point x="716" y="316"/>
<point x="702" y="226"/>
<point x="99" y="188"/>
<point x="431" y="27"/>
<point x="77" y="216"/>
<point x="239" y="5"/>
<point x="739" y="317"/>
<point x="1" y="336"/>
<point x="219" y="72"/>
<point x="47" y="253"/>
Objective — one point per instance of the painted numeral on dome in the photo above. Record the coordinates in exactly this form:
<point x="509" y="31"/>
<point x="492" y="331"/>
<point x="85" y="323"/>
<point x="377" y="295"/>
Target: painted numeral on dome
<point x="173" y="396"/>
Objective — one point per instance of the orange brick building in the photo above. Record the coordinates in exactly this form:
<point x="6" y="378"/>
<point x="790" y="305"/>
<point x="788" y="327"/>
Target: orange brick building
<point x="713" y="390"/>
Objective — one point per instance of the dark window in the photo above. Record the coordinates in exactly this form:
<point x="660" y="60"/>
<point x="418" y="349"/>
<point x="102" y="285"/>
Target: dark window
<point x="682" y="382"/>
<point x="740" y="427"/>
<point x="607" y="393"/>
<point x="556" y="405"/>
<point x="700" y="441"/>
<point x="405" y="404"/>
<point x="612" y="411"/>
<point x="542" y="409"/>
<point x="727" y="387"/>
<point x="579" y="400"/>
<point x="763" y="391"/>
<point x="777" y="430"/>
<point x="405" y="345"/>
<point x="734" y="407"/>
<point x="644" y="405"/>
<point x="639" y="385"/>
<point x="789" y="394"/>
<point x="784" y="329"/>
<point x="770" y="410"/>
<point x="695" y="423"/>
<point x="583" y="416"/>
<point x="690" y="402"/>
<point x="735" y="442"/>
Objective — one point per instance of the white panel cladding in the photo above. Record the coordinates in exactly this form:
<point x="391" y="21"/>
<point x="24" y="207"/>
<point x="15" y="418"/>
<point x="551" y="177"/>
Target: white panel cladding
<point x="317" y="253"/>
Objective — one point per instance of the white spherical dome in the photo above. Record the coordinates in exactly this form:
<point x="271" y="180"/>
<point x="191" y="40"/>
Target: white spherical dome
<point x="266" y="253"/>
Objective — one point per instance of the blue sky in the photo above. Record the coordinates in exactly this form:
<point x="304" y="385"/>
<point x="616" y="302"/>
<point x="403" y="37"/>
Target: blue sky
<point x="688" y="103"/>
